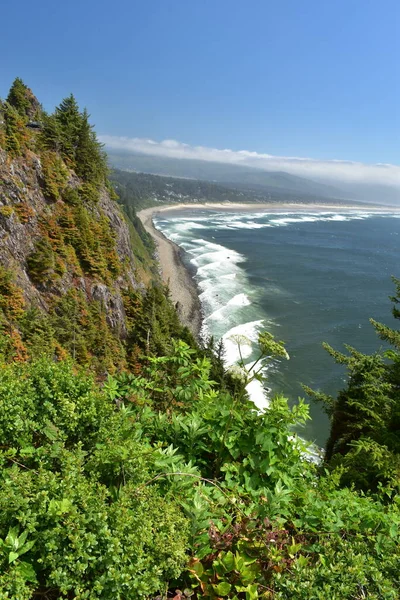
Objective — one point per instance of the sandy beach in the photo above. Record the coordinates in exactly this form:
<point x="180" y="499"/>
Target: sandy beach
<point x="182" y="287"/>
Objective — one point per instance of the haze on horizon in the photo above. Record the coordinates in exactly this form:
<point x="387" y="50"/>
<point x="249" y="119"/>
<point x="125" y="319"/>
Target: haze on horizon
<point x="351" y="177"/>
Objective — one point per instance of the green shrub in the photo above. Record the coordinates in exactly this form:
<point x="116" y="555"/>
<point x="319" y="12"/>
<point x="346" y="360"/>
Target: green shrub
<point x="54" y="175"/>
<point x="41" y="262"/>
<point x="80" y="535"/>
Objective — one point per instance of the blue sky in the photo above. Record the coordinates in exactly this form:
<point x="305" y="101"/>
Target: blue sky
<point x="311" y="78"/>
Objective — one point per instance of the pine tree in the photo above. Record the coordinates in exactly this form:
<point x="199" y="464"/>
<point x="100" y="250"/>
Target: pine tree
<point x="41" y="262"/>
<point x="14" y="131"/>
<point x="51" y="134"/>
<point x="90" y="159"/>
<point x="70" y="122"/>
<point x="365" y="416"/>
<point x="18" y="97"/>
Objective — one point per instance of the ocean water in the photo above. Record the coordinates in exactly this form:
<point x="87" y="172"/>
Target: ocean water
<point x="305" y="276"/>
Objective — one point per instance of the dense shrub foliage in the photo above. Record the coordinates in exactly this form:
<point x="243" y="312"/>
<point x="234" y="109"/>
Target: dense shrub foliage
<point x="68" y="524"/>
<point x="162" y="481"/>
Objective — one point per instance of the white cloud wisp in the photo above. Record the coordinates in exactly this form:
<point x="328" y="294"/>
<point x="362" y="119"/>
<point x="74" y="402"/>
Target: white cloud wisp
<point x="326" y="170"/>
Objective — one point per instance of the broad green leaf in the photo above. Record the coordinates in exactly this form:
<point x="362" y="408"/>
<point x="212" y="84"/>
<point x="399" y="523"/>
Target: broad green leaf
<point x="223" y="588"/>
<point x="26" y="547"/>
<point x="251" y="592"/>
<point x="228" y="561"/>
<point x="12" y="537"/>
<point x="12" y="557"/>
<point x="27" y="571"/>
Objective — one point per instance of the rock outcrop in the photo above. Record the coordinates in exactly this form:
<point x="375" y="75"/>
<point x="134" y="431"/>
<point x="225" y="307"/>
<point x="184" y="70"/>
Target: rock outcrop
<point x="26" y="215"/>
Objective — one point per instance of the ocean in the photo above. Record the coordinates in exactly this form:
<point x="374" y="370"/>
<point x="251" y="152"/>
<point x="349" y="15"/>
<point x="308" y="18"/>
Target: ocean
<point x="307" y="276"/>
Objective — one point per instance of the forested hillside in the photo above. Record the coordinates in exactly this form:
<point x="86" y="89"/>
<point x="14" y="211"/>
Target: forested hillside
<point x="143" y="189"/>
<point x="73" y="270"/>
<point x="132" y="464"/>
<point x="238" y="176"/>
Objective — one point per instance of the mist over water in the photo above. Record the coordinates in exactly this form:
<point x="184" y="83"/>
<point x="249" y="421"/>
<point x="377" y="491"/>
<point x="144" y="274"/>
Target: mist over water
<point x="307" y="277"/>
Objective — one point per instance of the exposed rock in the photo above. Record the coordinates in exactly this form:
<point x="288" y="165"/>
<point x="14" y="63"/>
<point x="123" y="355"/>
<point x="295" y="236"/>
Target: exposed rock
<point x="22" y="205"/>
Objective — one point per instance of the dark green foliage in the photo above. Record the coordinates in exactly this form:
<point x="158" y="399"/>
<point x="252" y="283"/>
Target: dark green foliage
<point x="82" y="330"/>
<point x="215" y="353"/>
<point x="38" y="332"/>
<point x="41" y="262"/>
<point x="69" y="121"/>
<point x="153" y="321"/>
<point x="71" y="196"/>
<point x="90" y="159"/>
<point x="139" y="177"/>
<point x="102" y="495"/>
<point x="19" y="97"/>
<point x="51" y="134"/>
<point x="262" y="523"/>
<point x="14" y="131"/>
<point x="69" y="133"/>
<point x="142" y="189"/>
<point x="77" y="536"/>
<point x="364" y="439"/>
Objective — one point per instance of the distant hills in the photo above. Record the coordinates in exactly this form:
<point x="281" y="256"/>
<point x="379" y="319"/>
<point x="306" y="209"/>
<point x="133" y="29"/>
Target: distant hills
<point x="252" y="180"/>
<point x="140" y="190"/>
<point x="222" y="173"/>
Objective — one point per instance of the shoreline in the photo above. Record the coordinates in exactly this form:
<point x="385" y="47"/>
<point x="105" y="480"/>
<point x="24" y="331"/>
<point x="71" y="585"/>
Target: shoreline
<point x="183" y="289"/>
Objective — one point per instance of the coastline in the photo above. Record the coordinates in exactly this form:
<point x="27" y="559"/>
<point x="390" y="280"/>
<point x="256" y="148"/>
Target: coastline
<point x="183" y="289"/>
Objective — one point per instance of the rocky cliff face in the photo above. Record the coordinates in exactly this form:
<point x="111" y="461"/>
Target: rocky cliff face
<point x="26" y="215"/>
<point x="77" y="277"/>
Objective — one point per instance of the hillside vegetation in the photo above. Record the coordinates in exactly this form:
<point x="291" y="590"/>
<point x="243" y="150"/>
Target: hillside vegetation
<point x="77" y="278"/>
<point x="132" y="464"/>
<point x="143" y="189"/>
<point x="239" y="176"/>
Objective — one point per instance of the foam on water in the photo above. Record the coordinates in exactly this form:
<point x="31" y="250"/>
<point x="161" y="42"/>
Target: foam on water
<point x="228" y="299"/>
<point x="239" y="300"/>
<point x="189" y="225"/>
<point x="257" y="393"/>
<point x="261" y="219"/>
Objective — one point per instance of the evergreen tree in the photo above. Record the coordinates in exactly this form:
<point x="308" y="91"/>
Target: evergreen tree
<point x="70" y="122"/>
<point x="91" y="164"/>
<point x="41" y="262"/>
<point x="51" y="134"/>
<point x="18" y="97"/>
<point x="14" y="130"/>
<point x="364" y="438"/>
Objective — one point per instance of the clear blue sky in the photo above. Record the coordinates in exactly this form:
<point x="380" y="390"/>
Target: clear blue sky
<point x="316" y="78"/>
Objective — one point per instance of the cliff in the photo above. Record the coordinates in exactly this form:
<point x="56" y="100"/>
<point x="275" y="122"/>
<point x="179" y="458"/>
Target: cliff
<point x="28" y="217"/>
<point x="74" y="270"/>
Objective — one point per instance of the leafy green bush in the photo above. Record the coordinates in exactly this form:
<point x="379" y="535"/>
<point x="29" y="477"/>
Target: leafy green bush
<point x="262" y="522"/>
<point x="69" y="528"/>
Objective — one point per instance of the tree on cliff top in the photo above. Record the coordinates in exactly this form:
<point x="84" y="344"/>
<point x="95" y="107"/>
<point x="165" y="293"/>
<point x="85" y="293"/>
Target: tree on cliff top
<point x="23" y="100"/>
<point x="90" y="159"/>
<point x="69" y="120"/>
